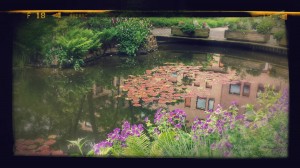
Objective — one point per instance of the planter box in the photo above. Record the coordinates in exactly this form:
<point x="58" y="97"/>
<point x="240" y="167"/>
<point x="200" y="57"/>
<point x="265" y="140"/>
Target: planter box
<point x="202" y="33"/>
<point x="247" y="36"/>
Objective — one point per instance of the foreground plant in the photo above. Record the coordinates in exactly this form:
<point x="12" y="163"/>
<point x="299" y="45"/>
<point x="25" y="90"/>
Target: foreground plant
<point x="224" y="133"/>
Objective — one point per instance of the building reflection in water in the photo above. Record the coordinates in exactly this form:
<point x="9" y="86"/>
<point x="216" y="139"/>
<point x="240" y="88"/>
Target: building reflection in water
<point x="206" y="94"/>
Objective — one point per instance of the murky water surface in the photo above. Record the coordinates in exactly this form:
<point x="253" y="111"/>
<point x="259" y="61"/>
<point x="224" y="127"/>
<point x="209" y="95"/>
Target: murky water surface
<point x="51" y="106"/>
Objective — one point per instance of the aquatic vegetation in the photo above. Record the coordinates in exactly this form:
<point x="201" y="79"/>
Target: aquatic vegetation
<point x="224" y="133"/>
<point x="37" y="147"/>
<point x="170" y="84"/>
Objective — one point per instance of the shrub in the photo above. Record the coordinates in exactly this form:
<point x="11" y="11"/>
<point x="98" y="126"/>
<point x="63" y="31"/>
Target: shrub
<point x="279" y="35"/>
<point x="187" y="28"/>
<point x="108" y="37"/>
<point x="265" y="25"/>
<point x="243" y="25"/>
<point x="132" y="34"/>
<point x="71" y="47"/>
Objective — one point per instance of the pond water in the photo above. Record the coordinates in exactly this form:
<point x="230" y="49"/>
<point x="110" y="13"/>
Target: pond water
<point x="51" y="106"/>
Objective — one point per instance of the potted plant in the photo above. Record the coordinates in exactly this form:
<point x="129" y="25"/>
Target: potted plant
<point x="189" y="30"/>
<point x="250" y="30"/>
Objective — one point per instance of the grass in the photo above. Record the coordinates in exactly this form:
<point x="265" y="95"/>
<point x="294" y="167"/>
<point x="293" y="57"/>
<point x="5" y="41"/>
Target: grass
<point x="173" y="21"/>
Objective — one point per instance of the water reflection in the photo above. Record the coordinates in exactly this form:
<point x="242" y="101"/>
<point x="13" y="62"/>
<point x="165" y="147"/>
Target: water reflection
<point x="201" y="87"/>
<point x="90" y="104"/>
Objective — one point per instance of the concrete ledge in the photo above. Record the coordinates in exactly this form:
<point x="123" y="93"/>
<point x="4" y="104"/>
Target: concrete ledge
<point x="226" y="43"/>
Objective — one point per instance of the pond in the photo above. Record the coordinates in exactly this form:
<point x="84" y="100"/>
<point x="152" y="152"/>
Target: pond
<point x="51" y="106"/>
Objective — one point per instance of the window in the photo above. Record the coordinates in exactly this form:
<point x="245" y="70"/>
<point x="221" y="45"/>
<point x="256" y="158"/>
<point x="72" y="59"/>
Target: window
<point x="211" y="103"/>
<point x="246" y="89"/>
<point x="187" y="102"/>
<point x="197" y="83"/>
<point x="235" y="88"/>
<point x="201" y="103"/>
<point x="260" y="88"/>
<point x="208" y="84"/>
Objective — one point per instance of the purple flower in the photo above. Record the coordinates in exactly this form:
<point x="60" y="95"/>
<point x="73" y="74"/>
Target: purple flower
<point x="227" y="154"/>
<point x="178" y="126"/>
<point x="205" y="126"/>
<point x="170" y="120"/>
<point x="228" y="145"/>
<point x="218" y="111"/>
<point x="220" y="130"/>
<point x="140" y="127"/>
<point x="157" y="117"/>
<point x="116" y="130"/>
<point x="207" y="116"/>
<point x="213" y="146"/>
<point x="146" y="119"/>
<point x="126" y="125"/>
<point x="234" y="103"/>
<point x="156" y="131"/>
<point x="240" y="117"/>
<point x="103" y="144"/>
<point x="158" y="110"/>
<point x="247" y="123"/>
<point x="194" y="127"/>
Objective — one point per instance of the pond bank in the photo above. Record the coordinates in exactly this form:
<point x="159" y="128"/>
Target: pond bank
<point x="216" y="37"/>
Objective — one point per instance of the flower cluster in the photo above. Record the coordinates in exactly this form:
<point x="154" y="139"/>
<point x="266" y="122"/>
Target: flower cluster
<point x="216" y="122"/>
<point x="119" y="136"/>
<point x="174" y="119"/>
<point x="282" y="104"/>
<point x="224" y="146"/>
<point x="102" y="144"/>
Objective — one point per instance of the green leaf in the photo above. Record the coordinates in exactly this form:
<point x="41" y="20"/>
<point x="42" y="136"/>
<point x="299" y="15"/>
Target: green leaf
<point x="137" y="146"/>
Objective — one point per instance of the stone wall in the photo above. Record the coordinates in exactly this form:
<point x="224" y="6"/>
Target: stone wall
<point x="246" y="36"/>
<point x="151" y="45"/>
<point x="204" y="33"/>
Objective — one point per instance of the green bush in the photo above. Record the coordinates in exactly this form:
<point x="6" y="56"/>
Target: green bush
<point x="265" y="25"/>
<point x="108" y="37"/>
<point x="187" y="28"/>
<point x="262" y="25"/>
<point x="279" y="35"/>
<point x="243" y="25"/>
<point x="132" y="34"/>
<point x="71" y="47"/>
